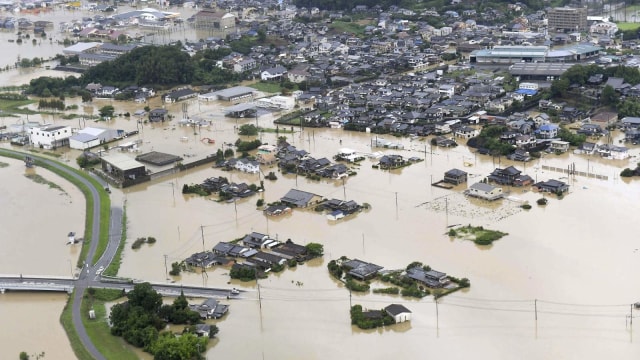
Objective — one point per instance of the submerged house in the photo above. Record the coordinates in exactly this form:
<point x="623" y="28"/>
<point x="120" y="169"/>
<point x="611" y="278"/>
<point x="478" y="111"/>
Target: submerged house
<point x="210" y="309"/>
<point x="484" y="191"/>
<point x="361" y="270"/>
<point x="430" y="278"/>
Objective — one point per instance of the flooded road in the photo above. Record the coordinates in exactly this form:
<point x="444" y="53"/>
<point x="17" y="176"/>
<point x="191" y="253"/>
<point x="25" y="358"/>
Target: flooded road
<point x="570" y="263"/>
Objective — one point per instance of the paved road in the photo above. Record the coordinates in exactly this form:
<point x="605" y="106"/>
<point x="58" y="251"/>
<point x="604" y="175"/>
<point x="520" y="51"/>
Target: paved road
<point x="82" y="283"/>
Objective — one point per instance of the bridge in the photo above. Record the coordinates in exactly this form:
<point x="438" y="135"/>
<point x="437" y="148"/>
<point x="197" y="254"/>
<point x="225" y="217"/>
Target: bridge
<point x="67" y="284"/>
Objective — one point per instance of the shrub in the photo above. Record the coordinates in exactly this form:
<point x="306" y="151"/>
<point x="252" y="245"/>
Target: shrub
<point x="260" y="202"/>
<point x="452" y="232"/>
<point x="356" y="286"/>
<point x="525" y="206"/>
<point x="541" y="201"/>
<point x="390" y="290"/>
<point x="627" y="173"/>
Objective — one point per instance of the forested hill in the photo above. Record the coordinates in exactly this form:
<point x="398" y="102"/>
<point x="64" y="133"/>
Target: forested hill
<point x="349" y="5"/>
<point x="160" y="65"/>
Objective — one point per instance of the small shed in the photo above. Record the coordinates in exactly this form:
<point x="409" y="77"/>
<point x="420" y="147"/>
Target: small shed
<point x="398" y="312"/>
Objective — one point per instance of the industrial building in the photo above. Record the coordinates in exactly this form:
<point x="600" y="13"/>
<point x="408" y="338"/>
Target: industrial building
<point x="509" y="54"/>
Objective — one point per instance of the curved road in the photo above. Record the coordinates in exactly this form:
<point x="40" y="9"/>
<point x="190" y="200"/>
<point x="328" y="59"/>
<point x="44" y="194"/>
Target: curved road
<point x="83" y="279"/>
<point x="90" y="274"/>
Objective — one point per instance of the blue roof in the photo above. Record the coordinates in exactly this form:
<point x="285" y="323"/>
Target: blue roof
<point x="548" y="127"/>
<point x="527" y="91"/>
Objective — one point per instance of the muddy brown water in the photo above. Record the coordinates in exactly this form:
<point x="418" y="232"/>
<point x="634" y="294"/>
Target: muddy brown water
<point x="573" y="260"/>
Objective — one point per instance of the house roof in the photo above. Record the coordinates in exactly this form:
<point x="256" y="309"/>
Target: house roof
<point x="83" y="138"/>
<point x="455" y="172"/>
<point x="396" y="309"/>
<point x="122" y="161"/>
<point x="298" y="197"/>
<point x="482" y="187"/>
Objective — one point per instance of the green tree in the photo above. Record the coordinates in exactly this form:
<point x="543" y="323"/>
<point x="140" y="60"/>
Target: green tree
<point x="315" y="249"/>
<point x="186" y="347"/>
<point x="146" y="297"/>
<point x="24" y="356"/>
<point x="609" y="96"/>
<point x="559" y="87"/>
<point x="248" y="130"/>
<point x="106" y="111"/>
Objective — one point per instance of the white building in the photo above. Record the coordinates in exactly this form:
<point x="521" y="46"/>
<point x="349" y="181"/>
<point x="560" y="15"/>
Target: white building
<point x="277" y="102"/>
<point x="529" y="86"/>
<point x="90" y="137"/>
<point x="398" y="312"/>
<point x="484" y="191"/>
<point x="50" y="136"/>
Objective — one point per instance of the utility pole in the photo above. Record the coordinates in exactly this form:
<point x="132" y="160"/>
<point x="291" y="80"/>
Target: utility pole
<point x="202" y="233"/>
<point x="535" y="308"/>
<point x="437" y="316"/>
<point x="344" y="190"/>
<point x="631" y="316"/>
<point x="446" y="209"/>
<point x="396" y="204"/>
<point x="235" y="207"/>
<point x="166" y="273"/>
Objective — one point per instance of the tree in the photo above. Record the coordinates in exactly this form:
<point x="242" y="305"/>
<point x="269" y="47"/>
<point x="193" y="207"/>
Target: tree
<point x="186" y="347"/>
<point x="176" y="267"/>
<point x="24" y="356"/>
<point x="559" y="87"/>
<point x="106" y="111"/>
<point x="145" y="296"/>
<point x="315" y="249"/>
<point x="248" y="130"/>
<point x="609" y="97"/>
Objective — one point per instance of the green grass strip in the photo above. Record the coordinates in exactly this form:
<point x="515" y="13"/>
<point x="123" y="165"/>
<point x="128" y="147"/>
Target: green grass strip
<point x="67" y="323"/>
<point x="114" y="266"/>
<point x="111" y="347"/>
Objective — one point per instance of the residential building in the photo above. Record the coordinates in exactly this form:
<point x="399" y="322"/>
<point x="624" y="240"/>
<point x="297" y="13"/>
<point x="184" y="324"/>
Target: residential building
<point x="567" y="19"/>
<point x="210" y="309"/>
<point x="455" y="176"/>
<point x="361" y="270"/>
<point x="299" y="198"/>
<point x="156" y="115"/>
<point x="552" y="186"/>
<point x="484" y="191"/>
<point x="430" y="278"/>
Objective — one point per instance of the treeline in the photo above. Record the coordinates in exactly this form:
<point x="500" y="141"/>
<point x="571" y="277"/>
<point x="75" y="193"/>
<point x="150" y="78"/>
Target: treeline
<point x="45" y="86"/>
<point x="161" y="66"/>
<point x="140" y="319"/>
<point x="54" y="104"/>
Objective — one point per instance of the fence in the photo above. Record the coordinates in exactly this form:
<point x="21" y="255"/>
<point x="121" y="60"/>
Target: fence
<point x="569" y="171"/>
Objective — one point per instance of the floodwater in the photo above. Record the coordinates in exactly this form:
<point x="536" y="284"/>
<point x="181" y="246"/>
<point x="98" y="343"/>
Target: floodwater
<point x="570" y="264"/>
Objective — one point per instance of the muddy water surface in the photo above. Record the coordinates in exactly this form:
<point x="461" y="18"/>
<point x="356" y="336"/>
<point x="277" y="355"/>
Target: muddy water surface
<point x="571" y="262"/>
